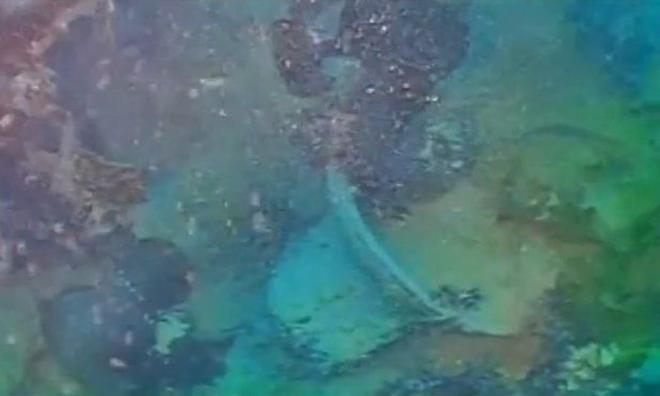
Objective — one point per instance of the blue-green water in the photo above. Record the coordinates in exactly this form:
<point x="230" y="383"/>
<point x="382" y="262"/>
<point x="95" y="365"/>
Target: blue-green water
<point x="329" y="198"/>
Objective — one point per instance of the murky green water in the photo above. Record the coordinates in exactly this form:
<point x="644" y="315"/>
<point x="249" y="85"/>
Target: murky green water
<point x="329" y="198"/>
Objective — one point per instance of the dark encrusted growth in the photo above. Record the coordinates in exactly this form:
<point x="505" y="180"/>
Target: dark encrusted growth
<point x="421" y="34"/>
<point x="473" y="382"/>
<point x="298" y="58"/>
<point x="154" y="273"/>
<point x="371" y="131"/>
<point x="106" y="336"/>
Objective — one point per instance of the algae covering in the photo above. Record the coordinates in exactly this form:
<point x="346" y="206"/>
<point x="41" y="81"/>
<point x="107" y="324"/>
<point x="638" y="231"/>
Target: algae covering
<point x="329" y="198"/>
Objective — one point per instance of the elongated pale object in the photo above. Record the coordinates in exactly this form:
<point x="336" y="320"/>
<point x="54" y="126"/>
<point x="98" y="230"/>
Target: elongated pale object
<point x="371" y="252"/>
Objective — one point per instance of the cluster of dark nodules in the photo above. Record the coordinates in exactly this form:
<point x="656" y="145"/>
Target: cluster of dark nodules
<point x="484" y="382"/>
<point x="403" y="48"/>
<point x="472" y="382"/>
<point x="105" y="335"/>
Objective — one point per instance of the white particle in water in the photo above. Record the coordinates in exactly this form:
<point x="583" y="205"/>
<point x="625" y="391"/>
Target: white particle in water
<point x="117" y="363"/>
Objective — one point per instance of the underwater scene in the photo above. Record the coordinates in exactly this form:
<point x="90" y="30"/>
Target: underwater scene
<point x="329" y="198"/>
